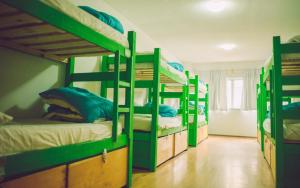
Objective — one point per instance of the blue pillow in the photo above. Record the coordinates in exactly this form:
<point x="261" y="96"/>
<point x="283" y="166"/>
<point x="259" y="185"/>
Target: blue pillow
<point x="164" y="110"/>
<point x="177" y="66"/>
<point x="90" y="106"/>
<point x="106" y="18"/>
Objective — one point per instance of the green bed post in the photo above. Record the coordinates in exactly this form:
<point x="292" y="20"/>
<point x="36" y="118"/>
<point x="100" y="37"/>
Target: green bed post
<point x="70" y="68"/>
<point x="271" y="98"/>
<point x="155" y="109"/>
<point x="195" y="97"/>
<point x="116" y="96"/>
<point x="261" y="101"/>
<point x="129" y="101"/>
<point x="162" y="100"/>
<point x="206" y="104"/>
<point x="104" y="68"/>
<point x="278" y="120"/>
<point x="185" y="102"/>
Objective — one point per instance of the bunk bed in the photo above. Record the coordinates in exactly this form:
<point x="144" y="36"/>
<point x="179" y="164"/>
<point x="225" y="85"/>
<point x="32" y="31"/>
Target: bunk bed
<point x="198" y="118"/>
<point x="60" y="31"/>
<point x="160" y="141"/>
<point x="279" y="81"/>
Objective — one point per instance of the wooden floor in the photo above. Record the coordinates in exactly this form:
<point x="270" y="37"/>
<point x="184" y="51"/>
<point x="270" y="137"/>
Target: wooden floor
<point x="218" y="162"/>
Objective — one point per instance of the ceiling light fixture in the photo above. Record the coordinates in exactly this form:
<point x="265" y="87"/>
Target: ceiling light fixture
<point x="227" y="46"/>
<point x="216" y="5"/>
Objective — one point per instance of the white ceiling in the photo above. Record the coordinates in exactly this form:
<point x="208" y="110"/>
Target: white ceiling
<point x="193" y="34"/>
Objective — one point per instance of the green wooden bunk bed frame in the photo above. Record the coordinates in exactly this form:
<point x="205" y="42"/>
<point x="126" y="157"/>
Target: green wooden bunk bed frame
<point x="193" y="126"/>
<point x="145" y="143"/>
<point x="59" y="27"/>
<point x="280" y="73"/>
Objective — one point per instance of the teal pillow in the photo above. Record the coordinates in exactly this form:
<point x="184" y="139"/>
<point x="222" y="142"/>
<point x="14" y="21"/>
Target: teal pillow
<point x="104" y="17"/>
<point x="164" y="110"/>
<point x="90" y="106"/>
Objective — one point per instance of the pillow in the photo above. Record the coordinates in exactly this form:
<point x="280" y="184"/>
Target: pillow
<point x="164" y="110"/>
<point x="106" y="18"/>
<point x="89" y="106"/>
<point x="4" y="118"/>
<point x="60" y="103"/>
<point x="63" y="114"/>
<point x="177" y="66"/>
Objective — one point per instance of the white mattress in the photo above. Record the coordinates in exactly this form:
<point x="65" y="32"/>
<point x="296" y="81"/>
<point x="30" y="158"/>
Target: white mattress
<point x="87" y="19"/>
<point x="35" y="134"/>
<point x="291" y="129"/>
<point x="143" y="122"/>
<point x="149" y="65"/>
<point x="201" y="118"/>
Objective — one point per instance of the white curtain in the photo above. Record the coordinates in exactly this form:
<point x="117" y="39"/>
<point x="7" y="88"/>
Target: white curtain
<point x="217" y="90"/>
<point x="250" y="78"/>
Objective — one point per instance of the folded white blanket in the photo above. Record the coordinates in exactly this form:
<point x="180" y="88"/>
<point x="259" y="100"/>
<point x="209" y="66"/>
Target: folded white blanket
<point x="4" y="118"/>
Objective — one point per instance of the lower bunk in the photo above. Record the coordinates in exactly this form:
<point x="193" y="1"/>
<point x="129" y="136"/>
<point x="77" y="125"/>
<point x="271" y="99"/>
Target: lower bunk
<point x="172" y="140"/>
<point x="291" y="153"/>
<point x="59" y="154"/>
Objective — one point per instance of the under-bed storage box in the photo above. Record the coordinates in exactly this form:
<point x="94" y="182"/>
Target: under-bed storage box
<point x="180" y="142"/>
<point x="51" y="178"/>
<point x="258" y="136"/>
<point x="202" y="133"/>
<point x="106" y="170"/>
<point x="164" y="148"/>
<point x="267" y="149"/>
<point x="273" y="160"/>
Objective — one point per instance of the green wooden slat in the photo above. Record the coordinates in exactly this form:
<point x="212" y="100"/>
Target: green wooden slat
<point x="69" y="71"/>
<point x="129" y="102"/>
<point x="144" y="84"/>
<point x="95" y="76"/>
<point x="291" y="93"/>
<point x="290" y="48"/>
<point x="142" y="110"/>
<point x="162" y="99"/>
<point x="277" y="101"/>
<point x="291" y="80"/>
<point x="104" y="84"/>
<point x="171" y="94"/>
<point x="123" y="110"/>
<point x="124" y="84"/>
<point x="155" y="108"/>
<point x="202" y="99"/>
<point x="116" y="75"/>
<point x="192" y="96"/>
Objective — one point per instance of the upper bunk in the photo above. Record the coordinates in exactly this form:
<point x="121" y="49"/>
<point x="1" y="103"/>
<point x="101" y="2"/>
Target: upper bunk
<point x="290" y="58"/>
<point x="57" y="30"/>
<point x="194" y="83"/>
<point x="145" y="68"/>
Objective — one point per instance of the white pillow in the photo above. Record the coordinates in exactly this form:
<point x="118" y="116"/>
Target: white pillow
<point x="4" y="118"/>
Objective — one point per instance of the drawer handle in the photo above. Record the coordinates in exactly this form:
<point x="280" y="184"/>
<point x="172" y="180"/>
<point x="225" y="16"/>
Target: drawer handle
<point x="104" y="155"/>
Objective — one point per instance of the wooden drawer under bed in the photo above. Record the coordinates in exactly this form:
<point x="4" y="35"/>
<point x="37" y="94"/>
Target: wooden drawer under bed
<point x="267" y="149"/>
<point x="99" y="171"/>
<point x="273" y="160"/>
<point x="50" y="178"/>
<point x="202" y="133"/>
<point x="180" y="142"/>
<point x="164" y="148"/>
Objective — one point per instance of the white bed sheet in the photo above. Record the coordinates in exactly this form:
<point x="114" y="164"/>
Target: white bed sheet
<point x="291" y="129"/>
<point x="143" y="122"/>
<point x="87" y="19"/>
<point x="201" y="118"/>
<point x="35" y="134"/>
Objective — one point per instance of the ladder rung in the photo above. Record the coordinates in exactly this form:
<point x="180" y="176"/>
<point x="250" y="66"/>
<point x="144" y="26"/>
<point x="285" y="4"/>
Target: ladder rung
<point x="124" y="84"/>
<point x="192" y="96"/>
<point x="123" y="109"/>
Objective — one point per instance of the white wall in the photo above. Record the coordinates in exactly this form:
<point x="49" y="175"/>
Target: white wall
<point x="231" y="122"/>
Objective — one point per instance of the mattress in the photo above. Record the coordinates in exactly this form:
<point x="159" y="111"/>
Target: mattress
<point x="291" y="129"/>
<point x="143" y="122"/>
<point x="201" y="118"/>
<point x="36" y="134"/>
<point x="90" y="21"/>
<point x="149" y="65"/>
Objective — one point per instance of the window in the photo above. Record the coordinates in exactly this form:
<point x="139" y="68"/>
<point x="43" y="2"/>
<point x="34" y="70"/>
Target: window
<point x="234" y="87"/>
